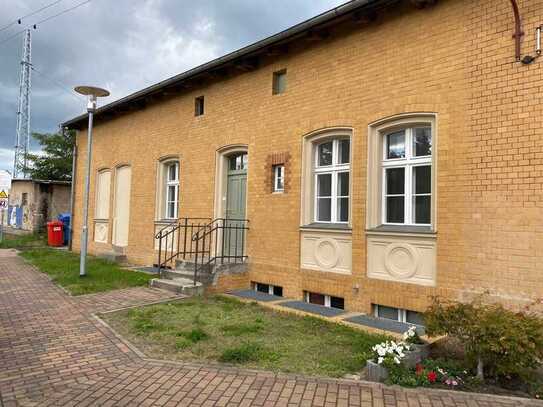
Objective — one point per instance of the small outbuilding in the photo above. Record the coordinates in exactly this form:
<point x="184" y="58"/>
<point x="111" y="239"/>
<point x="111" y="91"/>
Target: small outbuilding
<point x="35" y="202"/>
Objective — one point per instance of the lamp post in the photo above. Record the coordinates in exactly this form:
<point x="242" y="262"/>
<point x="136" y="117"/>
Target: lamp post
<point x="93" y="94"/>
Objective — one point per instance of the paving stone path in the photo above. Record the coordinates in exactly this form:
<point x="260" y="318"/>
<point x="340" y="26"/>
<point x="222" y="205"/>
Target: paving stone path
<point x="53" y="351"/>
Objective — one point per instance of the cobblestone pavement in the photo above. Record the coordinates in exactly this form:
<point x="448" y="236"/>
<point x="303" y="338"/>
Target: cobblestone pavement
<point x="53" y="351"/>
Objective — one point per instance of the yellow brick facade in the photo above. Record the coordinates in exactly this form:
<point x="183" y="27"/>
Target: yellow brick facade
<point x="455" y="59"/>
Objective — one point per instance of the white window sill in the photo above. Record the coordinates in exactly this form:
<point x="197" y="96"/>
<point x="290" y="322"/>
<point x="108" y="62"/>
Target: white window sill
<point x="402" y="230"/>
<point x="332" y="227"/>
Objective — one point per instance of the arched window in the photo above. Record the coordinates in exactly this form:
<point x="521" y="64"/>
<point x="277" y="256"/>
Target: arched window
<point x="331" y="177"/>
<point x="326" y="178"/>
<point x="168" y="189"/>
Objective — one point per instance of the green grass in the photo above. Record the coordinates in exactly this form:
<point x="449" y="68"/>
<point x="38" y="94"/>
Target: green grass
<point x="63" y="268"/>
<point x="219" y="329"/>
<point x="23" y="241"/>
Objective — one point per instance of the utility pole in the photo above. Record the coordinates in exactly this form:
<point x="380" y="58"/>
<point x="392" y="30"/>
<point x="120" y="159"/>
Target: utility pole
<point x="22" y="144"/>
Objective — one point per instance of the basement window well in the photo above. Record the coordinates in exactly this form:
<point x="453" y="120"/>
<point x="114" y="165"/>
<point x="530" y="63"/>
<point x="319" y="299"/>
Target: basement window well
<point x="268" y="289"/>
<point x="325" y="300"/>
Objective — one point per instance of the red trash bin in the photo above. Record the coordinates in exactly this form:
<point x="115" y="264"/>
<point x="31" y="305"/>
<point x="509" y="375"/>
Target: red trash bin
<point x="55" y="233"/>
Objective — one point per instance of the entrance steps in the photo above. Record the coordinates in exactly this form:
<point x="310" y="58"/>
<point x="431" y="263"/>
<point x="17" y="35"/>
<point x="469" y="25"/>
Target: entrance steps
<point x="179" y="286"/>
<point x="181" y="279"/>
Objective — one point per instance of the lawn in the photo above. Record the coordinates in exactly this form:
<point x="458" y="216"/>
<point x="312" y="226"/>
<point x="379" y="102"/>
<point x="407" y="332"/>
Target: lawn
<point x="102" y="275"/>
<point x="220" y="329"/>
<point x="22" y="241"/>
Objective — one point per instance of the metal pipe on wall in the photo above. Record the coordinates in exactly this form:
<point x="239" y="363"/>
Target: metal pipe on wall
<point x="518" y="30"/>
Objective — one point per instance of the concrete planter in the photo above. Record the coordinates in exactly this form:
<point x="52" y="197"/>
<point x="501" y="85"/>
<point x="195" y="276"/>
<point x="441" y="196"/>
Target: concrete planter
<point x="416" y="355"/>
<point x="376" y="372"/>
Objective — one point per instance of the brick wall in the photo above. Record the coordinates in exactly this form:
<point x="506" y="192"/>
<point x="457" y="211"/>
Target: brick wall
<point x="455" y="59"/>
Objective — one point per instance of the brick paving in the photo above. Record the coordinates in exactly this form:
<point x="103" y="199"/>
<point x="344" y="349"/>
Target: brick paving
<point x="54" y="352"/>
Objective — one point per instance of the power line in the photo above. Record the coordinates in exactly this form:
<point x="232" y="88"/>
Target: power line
<point x="57" y="83"/>
<point x="45" y="20"/>
<point x="18" y="21"/>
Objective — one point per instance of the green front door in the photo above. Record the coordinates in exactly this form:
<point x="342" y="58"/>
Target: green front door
<point x="236" y="194"/>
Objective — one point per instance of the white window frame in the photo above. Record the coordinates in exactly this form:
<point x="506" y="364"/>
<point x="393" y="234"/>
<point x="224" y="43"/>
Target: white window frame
<point x="171" y="183"/>
<point x="409" y="162"/>
<point x="401" y="314"/>
<point x="327" y="299"/>
<point x="271" y="287"/>
<point x="279" y="175"/>
<point x="334" y="170"/>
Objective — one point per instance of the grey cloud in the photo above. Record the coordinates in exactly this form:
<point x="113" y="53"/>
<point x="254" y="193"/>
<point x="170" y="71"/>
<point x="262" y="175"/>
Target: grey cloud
<point x="126" y="45"/>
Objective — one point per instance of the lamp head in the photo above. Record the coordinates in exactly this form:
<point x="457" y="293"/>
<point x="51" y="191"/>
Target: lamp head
<point x="93" y="93"/>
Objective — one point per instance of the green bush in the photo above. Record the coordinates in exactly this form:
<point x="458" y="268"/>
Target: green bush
<point x="502" y="343"/>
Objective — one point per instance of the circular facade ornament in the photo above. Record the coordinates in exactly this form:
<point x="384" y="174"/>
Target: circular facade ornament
<point x="401" y="260"/>
<point x="327" y="253"/>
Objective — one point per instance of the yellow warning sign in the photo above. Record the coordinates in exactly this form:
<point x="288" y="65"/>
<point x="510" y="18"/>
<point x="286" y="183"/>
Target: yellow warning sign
<point x="3" y="194"/>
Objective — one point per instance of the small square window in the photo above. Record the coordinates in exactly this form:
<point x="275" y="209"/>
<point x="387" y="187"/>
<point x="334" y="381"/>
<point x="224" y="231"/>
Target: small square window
<point x="199" y="106"/>
<point x="279" y="82"/>
<point x="279" y="178"/>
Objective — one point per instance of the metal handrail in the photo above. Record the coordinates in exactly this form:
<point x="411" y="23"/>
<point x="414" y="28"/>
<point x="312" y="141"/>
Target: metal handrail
<point x="169" y="253"/>
<point x="214" y="235"/>
<point x="207" y="241"/>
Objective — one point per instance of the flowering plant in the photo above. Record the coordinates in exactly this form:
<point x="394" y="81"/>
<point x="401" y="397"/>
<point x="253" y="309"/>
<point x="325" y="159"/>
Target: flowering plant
<point x="390" y="353"/>
<point x="411" y="336"/>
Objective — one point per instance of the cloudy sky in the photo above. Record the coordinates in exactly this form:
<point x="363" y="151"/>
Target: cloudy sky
<point x="123" y="45"/>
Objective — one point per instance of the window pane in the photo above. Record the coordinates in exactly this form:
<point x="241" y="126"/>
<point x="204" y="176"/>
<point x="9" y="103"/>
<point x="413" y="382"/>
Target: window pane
<point x="171" y="209"/>
<point x="413" y="317"/>
<point x="422" y="141"/>
<point x="387" y="312"/>
<point x="422" y="180"/>
<point x="343" y="184"/>
<point x="344" y="151"/>
<point x="395" y="209"/>
<point x="395" y="182"/>
<point x="396" y="145"/>
<point x="279" y="185"/>
<point x="324" y="209"/>
<point x="421" y="209"/>
<point x="324" y="185"/>
<point x="172" y="172"/>
<point x="263" y="288"/>
<point x="278" y="291"/>
<point x="343" y="209"/>
<point x="337" y="302"/>
<point x="171" y="193"/>
<point x="325" y="154"/>
<point x="316" y="298"/>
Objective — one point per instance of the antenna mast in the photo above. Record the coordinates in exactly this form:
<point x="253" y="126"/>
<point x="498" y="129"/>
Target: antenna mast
<point x="22" y="144"/>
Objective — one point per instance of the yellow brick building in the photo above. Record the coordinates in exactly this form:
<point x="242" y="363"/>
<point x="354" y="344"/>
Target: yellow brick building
<point x="386" y="152"/>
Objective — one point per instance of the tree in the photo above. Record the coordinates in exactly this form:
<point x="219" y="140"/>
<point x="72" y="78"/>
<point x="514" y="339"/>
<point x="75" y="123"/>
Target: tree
<point x="55" y="161"/>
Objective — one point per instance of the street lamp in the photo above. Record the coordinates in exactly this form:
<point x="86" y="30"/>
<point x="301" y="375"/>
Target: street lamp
<point x="92" y="93"/>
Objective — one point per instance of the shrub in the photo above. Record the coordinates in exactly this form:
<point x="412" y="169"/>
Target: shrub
<point x="503" y="343"/>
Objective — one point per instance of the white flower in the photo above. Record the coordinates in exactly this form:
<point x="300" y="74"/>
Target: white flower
<point x="397" y="361"/>
<point x="380" y="361"/>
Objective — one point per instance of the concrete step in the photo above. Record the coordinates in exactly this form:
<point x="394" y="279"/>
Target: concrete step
<point x="203" y="276"/>
<point x="178" y="286"/>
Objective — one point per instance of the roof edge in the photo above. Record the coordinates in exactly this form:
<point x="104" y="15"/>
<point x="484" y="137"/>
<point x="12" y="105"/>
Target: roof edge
<point x="281" y="36"/>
